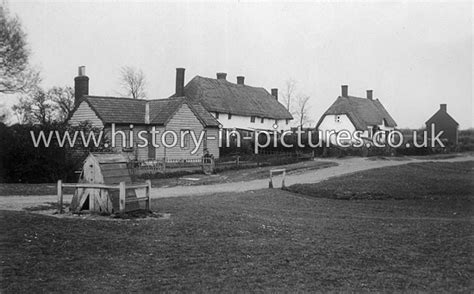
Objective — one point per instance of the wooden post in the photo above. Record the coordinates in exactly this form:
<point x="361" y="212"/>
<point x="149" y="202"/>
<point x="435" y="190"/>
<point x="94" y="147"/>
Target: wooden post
<point x="148" y="188"/>
<point x="283" y="180"/>
<point x="122" y="196"/>
<point x="60" y="196"/>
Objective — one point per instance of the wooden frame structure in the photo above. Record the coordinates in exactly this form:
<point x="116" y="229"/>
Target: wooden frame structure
<point x="275" y="172"/>
<point x="122" y="187"/>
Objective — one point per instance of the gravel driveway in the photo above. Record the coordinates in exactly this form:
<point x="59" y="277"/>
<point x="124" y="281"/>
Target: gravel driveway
<point x="346" y="166"/>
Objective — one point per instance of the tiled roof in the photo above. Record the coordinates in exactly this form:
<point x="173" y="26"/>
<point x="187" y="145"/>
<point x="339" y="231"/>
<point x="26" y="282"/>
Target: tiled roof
<point x="442" y="115"/>
<point x="132" y="111"/>
<point x="220" y="95"/>
<point x="363" y="112"/>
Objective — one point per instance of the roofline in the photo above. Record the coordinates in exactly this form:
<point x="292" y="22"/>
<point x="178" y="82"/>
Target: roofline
<point x="84" y="99"/>
<point x="431" y="118"/>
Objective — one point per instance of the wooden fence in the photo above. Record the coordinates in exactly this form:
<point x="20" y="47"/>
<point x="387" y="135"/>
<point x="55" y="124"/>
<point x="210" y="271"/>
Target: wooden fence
<point x="206" y="164"/>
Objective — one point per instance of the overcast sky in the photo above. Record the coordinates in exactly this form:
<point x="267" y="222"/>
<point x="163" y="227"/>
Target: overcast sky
<point x="413" y="55"/>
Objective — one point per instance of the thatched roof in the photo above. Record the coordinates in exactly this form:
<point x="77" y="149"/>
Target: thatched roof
<point x="220" y="95"/>
<point x="132" y="111"/>
<point x="362" y="112"/>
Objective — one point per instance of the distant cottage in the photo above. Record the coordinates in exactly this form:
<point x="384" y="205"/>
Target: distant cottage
<point x="178" y="114"/>
<point x="442" y="121"/>
<point x="350" y="113"/>
<point x="235" y="105"/>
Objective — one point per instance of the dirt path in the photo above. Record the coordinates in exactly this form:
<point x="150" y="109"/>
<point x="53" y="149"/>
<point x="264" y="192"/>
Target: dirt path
<point x="346" y="166"/>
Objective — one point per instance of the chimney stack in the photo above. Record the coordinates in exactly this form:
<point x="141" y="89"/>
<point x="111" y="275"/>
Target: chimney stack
<point x="370" y="94"/>
<point x="275" y="93"/>
<point x="81" y="85"/>
<point x="240" y="80"/>
<point x="344" y="90"/>
<point x="221" y="75"/>
<point x="179" y="82"/>
<point x="147" y="112"/>
<point x="443" y="107"/>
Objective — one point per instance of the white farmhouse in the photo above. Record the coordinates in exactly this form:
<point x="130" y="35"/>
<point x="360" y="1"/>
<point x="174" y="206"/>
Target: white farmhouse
<point x="350" y="113"/>
<point x="236" y="106"/>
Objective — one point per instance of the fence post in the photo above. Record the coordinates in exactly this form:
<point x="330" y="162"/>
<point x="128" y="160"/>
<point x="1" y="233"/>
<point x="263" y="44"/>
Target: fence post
<point x="122" y="196"/>
<point x="60" y="196"/>
<point x="148" y="188"/>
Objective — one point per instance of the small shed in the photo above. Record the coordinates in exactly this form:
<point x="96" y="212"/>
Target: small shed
<point x="105" y="169"/>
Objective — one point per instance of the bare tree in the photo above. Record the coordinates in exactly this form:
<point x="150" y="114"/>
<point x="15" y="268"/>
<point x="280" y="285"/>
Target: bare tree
<point x="34" y="108"/>
<point x="43" y="107"/>
<point x="133" y="82"/>
<point x="288" y="93"/>
<point x="301" y="110"/>
<point x="15" y="73"/>
<point x="63" y="99"/>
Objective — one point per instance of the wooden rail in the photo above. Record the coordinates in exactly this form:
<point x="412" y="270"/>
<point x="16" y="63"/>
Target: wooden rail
<point x="122" y="187"/>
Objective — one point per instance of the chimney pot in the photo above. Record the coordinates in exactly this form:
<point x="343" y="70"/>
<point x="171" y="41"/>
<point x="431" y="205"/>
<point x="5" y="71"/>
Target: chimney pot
<point x="275" y="93"/>
<point x="344" y="90"/>
<point x="443" y="107"/>
<point x="221" y="75"/>
<point x="179" y="82"/>
<point x="81" y="71"/>
<point x="370" y="94"/>
<point x="240" y="80"/>
<point x="81" y="85"/>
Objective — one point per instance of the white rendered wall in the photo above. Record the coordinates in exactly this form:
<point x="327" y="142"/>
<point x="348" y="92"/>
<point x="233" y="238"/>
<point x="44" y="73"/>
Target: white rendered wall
<point x="243" y="122"/>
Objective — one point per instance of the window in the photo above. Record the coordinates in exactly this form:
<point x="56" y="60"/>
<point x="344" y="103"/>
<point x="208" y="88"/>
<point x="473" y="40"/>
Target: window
<point x="185" y="139"/>
<point x="337" y="118"/>
<point x="217" y="115"/>
<point x="287" y="121"/>
<point x="229" y="116"/>
<point x="276" y="121"/>
<point x="252" y="119"/>
<point x="262" y="120"/>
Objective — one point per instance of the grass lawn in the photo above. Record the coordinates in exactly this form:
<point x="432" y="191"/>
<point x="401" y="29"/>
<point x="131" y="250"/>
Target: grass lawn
<point x="267" y="240"/>
<point x="434" y="180"/>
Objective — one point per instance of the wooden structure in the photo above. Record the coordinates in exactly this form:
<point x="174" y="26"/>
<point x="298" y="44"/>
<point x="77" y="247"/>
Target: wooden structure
<point x="273" y="174"/>
<point x="105" y="186"/>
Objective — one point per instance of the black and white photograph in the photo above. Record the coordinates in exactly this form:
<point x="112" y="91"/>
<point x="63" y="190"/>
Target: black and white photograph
<point x="236" y="146"/>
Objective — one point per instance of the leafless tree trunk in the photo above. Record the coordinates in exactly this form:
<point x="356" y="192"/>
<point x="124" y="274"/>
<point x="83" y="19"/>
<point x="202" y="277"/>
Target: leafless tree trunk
<point x="301" y="111"/>
<point x="288" y="93"/>
<point x="133" y="82"/>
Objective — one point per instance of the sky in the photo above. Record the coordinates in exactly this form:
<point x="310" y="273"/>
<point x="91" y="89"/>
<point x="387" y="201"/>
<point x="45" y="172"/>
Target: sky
<point x="414" y="55"/>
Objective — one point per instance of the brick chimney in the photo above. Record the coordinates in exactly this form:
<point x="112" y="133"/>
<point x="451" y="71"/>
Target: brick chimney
<point x="344" y="90"/>
<point x="221" y="75"/>
<point x="179" y="82"/>
<point x="370" y="94"/>
<point x="240" y="80"/>
<point x="443" y="107"/>
<point x="275" y="93"/>
<point x="81" y="85"/>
